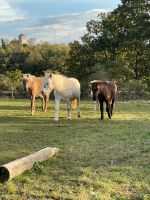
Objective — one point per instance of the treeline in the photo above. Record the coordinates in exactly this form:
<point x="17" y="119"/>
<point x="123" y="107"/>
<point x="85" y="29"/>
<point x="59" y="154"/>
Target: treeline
<point x="16" y="60"/>
<point x="116" y="47"/>
<point x="34" y="59"/>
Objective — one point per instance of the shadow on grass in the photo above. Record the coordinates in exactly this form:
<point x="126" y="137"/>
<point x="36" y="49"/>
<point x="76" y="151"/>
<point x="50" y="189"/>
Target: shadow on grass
<point x="63" y="121"/>
<point x="13" y="107"/>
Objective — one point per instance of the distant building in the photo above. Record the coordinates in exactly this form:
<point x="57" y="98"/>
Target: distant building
<point x="22" y="39"/>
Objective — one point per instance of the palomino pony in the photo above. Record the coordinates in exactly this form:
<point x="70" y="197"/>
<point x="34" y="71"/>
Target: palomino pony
<point x="33" y="85"/>
<point x="104" y="91"/>
<point x="67" y="89"/>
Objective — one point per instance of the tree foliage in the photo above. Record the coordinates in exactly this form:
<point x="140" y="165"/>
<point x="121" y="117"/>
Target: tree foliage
<point x="81" y="60"/>
<point x="10" y="81"/>
<point x="116" y="46"/>
<point x="119" y="42"/>
<point x="34" y="59"/>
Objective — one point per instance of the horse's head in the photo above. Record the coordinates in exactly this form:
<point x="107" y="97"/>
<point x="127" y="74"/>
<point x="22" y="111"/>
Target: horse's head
<point x="93" y="90"/>
<point x="26" y="81"/>
<point x="47" y="83"/>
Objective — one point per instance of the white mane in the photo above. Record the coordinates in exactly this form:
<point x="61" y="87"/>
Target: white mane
<point x="95" y="81"/>
<point x="59" y="80"/>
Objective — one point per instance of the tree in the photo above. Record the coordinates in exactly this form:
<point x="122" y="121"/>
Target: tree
<point x="123" y="37"/>
<point x="81" y="61"/>
<point x="32" y="42"/>
<point x="10" y="81"/>
<point x="118" y="42"/>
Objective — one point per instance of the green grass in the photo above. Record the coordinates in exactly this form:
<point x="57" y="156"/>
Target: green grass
<point x="98" y="160"/>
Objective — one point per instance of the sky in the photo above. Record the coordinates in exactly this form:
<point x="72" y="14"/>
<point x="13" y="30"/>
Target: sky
<point x="55" y="21"/>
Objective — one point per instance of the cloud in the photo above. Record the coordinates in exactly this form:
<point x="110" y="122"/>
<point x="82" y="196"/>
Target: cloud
<point x="8" y="13"/>
<point x="65" y="35"/>
<point x="62" y="28"/>
<point x="70" y="18"/>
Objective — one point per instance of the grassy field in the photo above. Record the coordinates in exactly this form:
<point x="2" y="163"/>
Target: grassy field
<point x="99" y="160"/>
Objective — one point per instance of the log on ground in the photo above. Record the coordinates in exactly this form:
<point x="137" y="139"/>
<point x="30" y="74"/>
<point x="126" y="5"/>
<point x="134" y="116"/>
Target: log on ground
<point x="17" y="167"/>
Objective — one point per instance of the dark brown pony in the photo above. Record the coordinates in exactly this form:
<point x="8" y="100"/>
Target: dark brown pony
<point x="33" y="85"/>
<point x="104" y="91"/>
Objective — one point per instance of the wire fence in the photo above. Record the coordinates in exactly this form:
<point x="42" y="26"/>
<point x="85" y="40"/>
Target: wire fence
<point x="13" y="95"/>
<point x="133" y="95"/>
<point x="121" y="96"/>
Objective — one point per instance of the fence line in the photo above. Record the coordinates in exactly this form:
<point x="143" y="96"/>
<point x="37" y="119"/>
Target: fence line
<point x="9" y="94"/>
<point x="122" y="95"/>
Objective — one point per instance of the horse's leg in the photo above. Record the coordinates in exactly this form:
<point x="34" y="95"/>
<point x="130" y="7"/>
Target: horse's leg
<point x="57" y="110"/>
<point x="69" y="109"/>
<point x="112" y="105"/>
<point x="42" y="99"/>
<point x="32" y="105"/>
<point x="46" y="101"/>
<point x="102" y="110"/>
<point x="46" y="97"/>
<point x="78" y="106"/>
<point x="108" y="108"/>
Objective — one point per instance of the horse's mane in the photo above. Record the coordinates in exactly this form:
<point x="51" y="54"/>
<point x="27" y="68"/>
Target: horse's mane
<point x="95" y="81"/>
<point x="59" y="79"/>
<point x="59" y="76"/>
<point x="101" y="82"/>
<point x="25" y="76"/>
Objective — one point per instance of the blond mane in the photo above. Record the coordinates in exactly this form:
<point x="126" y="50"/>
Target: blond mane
<point x="59" y="80"/>
<point x="27" y="76"/>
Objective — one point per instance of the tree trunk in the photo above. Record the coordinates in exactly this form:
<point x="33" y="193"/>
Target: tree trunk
<point x="12" y="93"/>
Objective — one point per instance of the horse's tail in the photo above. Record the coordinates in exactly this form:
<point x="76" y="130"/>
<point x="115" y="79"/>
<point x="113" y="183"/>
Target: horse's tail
<point x="74" y="103"/>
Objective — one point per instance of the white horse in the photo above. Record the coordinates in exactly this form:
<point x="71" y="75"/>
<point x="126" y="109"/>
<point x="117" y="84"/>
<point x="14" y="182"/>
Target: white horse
<point x="67" y="89"/>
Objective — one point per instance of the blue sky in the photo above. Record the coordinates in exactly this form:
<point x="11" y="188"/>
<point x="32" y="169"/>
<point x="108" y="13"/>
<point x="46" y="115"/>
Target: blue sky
<point x="55" y="21"/>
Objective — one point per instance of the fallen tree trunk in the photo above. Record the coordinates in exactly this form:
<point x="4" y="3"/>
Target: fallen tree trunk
<point x="16" y="167"/>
